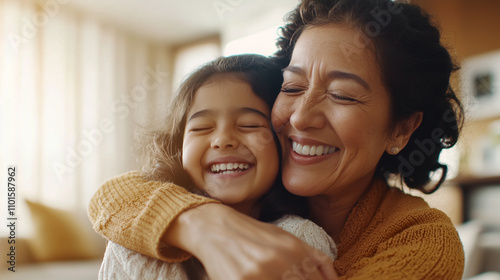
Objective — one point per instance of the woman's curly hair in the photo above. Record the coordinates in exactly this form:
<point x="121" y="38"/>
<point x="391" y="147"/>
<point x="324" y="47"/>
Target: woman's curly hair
<point x="416" y="70"/>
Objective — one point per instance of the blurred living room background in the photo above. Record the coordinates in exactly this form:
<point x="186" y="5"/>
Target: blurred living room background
<point x="80" y="78"/>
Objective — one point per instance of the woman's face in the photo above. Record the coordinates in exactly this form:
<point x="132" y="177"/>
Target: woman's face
<point x="332" y="115"/>
<point x="228" y="148"/>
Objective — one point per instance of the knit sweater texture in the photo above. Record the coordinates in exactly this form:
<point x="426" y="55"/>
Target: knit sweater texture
<point x="122" y="263"/>
<point x="387" y="235"/>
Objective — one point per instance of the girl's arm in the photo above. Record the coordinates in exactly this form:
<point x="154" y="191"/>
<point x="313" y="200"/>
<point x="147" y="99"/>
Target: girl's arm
<point x="145" y="216"/>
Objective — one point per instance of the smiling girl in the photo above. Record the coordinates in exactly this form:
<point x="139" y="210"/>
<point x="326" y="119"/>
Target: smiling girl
<point x="219" y="140"/>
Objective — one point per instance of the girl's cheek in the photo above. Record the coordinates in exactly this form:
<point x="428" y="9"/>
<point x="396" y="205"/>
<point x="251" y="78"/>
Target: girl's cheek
<point x="263" y="140"/>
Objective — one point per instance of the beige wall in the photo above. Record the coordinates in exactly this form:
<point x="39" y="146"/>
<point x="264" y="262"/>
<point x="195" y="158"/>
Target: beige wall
<point x="472" y="26"/>
<point x="469" y="28"/>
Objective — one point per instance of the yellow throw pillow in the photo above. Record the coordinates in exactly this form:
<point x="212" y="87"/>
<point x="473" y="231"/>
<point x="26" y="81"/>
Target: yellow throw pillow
<point x="59" y="235"/>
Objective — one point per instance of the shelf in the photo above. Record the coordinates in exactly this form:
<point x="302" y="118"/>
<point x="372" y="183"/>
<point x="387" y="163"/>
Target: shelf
<point x="470" y="181"/>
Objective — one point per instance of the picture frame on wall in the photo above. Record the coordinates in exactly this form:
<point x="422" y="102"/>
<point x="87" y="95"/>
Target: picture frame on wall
<point x="481" y="85"/>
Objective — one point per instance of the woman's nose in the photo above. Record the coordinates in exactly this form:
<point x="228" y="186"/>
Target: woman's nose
<point x="224" y="140"/>
<point x="307" y="113"/>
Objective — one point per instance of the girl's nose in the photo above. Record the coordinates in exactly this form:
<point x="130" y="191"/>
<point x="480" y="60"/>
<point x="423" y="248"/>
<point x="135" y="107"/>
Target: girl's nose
<point x="224" y="140"/>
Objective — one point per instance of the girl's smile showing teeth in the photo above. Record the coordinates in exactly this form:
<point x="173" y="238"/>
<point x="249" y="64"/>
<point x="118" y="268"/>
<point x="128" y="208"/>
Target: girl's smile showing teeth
<point x="229" y="168"/>
<point x="312" y="150"/>
<point x="222" y="149"/>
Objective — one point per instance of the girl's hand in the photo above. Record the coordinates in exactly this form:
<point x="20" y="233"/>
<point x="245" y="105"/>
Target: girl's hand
<point x="232" y="245"/>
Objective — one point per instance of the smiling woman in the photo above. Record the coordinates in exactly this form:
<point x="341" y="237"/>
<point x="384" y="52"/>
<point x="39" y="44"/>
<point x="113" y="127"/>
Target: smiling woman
<point x="344" y="98"/>
<point x="365" y="82"/>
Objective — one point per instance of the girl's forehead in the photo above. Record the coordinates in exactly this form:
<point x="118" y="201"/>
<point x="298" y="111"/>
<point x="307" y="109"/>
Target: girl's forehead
<point x="227" y="94"/>
<point x="224" y="77"/>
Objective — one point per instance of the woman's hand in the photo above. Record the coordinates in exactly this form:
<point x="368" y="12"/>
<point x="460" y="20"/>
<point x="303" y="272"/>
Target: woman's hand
<point x="232" y="245"/>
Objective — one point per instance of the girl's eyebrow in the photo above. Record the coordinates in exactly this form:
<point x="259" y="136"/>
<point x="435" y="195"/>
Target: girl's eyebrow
<point x="208" y="112"/>
<point x="201" y="113"/>
<point x="252" y="110"/>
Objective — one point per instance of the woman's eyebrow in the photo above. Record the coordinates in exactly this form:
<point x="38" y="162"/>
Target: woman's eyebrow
<point x="348" y="76"/>
<point x="332" y="75"/>
<point x="293" y="69"/>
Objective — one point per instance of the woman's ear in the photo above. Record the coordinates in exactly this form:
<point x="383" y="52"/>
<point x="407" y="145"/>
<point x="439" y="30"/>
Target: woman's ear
<point x="402" y="133"/>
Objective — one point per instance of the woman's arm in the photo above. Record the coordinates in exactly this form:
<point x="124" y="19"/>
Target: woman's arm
<point x="136" y="213"/>
<point x="235" y="246"/>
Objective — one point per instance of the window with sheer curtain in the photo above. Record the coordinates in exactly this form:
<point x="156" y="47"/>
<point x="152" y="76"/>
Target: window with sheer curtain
<point x="72" y="92"/>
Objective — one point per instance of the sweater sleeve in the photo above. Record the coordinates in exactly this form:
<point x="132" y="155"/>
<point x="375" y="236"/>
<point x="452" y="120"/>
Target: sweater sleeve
<point x="135" y="213"/>
<point x="420" y="252"/>
<point x="310" y="233"/>
<point x="122" y="263"/>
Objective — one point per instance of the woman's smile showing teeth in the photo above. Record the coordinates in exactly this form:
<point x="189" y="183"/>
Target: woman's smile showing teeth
<point x="304" y="151"/>
<point x="312" y="150"/>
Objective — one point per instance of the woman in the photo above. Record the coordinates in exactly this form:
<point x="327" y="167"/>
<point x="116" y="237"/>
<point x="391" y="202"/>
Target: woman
<point x="368" y="82"/>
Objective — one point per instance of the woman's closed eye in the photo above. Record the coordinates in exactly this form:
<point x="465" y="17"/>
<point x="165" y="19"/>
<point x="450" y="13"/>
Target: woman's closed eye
<point x="342" y="98"/>
<point x="291" y="90"/>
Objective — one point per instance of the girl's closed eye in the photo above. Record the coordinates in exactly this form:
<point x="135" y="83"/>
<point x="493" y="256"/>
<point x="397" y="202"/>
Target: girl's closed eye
<point x="198" y="129"/>
<point x="253" y="121"/>
<point x="197" y="126"/>
<point x="252" y="127"/>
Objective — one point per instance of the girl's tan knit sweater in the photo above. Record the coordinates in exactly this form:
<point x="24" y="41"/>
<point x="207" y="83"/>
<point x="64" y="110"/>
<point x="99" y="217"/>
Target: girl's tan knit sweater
<point x="388" y="235"/>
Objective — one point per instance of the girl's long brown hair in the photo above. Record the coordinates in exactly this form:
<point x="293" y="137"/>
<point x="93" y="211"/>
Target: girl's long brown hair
<point x="162" y="149"/>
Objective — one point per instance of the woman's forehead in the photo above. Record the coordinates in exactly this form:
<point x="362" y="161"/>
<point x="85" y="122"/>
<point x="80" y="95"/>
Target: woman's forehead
<point x="339" y="42"/>
<point x="329" y="48"/>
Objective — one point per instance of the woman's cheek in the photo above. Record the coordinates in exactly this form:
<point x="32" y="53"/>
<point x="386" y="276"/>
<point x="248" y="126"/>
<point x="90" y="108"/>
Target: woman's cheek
<point x="281" y="111"/>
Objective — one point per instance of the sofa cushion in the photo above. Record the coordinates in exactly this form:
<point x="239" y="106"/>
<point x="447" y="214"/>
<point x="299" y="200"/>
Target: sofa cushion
<point x="59" y="235"/>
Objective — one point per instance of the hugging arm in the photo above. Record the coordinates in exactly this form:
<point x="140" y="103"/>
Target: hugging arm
<point x="135" y="213"/>
<point x="145" y="216"/>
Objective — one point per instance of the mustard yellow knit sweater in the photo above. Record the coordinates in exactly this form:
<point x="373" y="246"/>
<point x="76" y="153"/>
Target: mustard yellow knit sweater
<point x="388" y="235"/>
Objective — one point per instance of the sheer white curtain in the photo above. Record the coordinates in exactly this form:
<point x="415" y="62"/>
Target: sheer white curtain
<point x="72" y="92"/>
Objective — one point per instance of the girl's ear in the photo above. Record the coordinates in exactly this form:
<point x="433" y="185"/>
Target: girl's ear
<point x="402" y="133"/>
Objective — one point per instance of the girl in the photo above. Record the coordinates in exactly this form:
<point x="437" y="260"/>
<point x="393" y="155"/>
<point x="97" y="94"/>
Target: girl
<point x="219" y="139"/>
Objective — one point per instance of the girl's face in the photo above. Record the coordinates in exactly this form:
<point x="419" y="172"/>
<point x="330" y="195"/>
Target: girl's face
<point x="228" y="148"/>
<point x="332" y="115"/>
